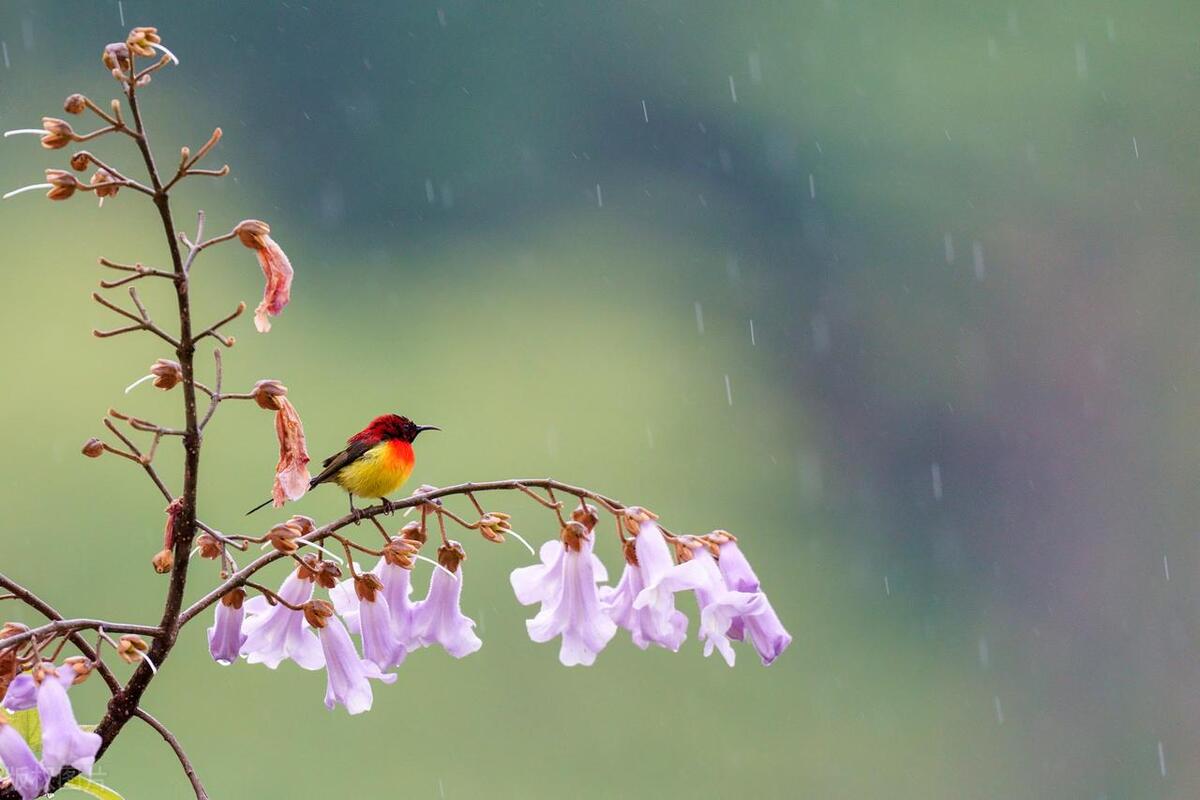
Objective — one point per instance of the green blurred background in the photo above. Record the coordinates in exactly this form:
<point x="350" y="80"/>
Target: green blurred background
<point x="903" y="294"/>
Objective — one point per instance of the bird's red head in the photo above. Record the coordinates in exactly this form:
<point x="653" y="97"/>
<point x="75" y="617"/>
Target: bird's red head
<point x="392" y="426"/>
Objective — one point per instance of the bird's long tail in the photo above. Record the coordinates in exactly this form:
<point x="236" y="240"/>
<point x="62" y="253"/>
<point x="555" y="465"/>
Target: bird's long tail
<point x="263" y="504"/>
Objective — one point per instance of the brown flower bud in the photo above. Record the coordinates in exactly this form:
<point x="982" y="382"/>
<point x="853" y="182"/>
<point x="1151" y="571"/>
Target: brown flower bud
<point x="587" y="515"/>
<point x="573" y="534"/>
<point x="163" y="561"/>
<point x="305" y="525"/>
<point x="80" y="161"/>
<point x="234" y="598"/>
<point x="366" y="586"/>
<point x="208" y="545"/>
<point x="93" y="448"/>
<point x="106" y="186"/>
<point x="283" y="538"/>
<point x="267" y="393"/>
<point x="63" y="183"/>
<point x="116" y="58"/>
<point x="130" y="648"/>
<point x="451" y="555"/>
<point x="140" y="39"/>
<point x="720" y="537"/>
<point x="317" y="611"/>
<point x="399" y="552"/>
<point x="167" y="374"/>
<point x="75" y="104"/>
<point x="415" y="532"/>
<point x="325" y="573"/>
<point x="251" y="231"/>
<point x="634" y="516"/>
<point x="493" y="526"/>
<point x="58" y="133"/>
<point x="82" y="667"/>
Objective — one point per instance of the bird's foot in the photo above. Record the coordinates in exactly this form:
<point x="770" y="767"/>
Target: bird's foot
<point x="388" y="506"/>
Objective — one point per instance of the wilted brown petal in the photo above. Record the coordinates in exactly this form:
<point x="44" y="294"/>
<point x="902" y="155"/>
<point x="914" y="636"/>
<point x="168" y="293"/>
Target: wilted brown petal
<point x="291" y="473"/>
<point x="276" y="268"/>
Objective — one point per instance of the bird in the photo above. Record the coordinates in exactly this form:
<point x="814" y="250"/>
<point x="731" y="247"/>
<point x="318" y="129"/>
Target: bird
<point x="376" y="462"/>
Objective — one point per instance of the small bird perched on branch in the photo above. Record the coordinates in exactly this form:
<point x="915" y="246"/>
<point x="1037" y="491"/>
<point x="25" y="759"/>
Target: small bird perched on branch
<point x="376" y="462"/>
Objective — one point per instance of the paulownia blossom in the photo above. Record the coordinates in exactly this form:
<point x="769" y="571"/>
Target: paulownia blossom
<point x="276" y="632"/>
<point x="255" y="234"/>
<point x="64" y="743"/>
<point x="22" y="692"/>
<point x="719" y="605"/>
<point x="27" y="774"/>
<point x="385" y="622"/>
<point x="565" y="584"/>
<point x="291" y="473"/>
<point x="643" y="602"/>
<point x="347" y="673"/>
<point x="767" y="634"/>
<point x="438" y="619"/>
<point x="225" y="637"/>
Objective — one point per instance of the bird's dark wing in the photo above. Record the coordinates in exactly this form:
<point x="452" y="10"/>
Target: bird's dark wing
<point x="338" y="460"/>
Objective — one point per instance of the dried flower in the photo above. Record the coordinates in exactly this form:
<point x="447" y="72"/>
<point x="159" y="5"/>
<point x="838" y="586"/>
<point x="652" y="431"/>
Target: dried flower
<point x="163" y="561"/>
<point x="225" y="637"/>
<point x="255" y="234"/>
<point x="64" y="743"/>
<point x="167" y="374"/>
<point x="75" y="104"/>
<point x="27" y="774"/>
<point x="79" y="161"/>
<point x="493" y="525"/>
<point x="131" y="648"/>
<point x="438" y="619"/>
<point x="116" y="58"/>
<point x="587" y="515"/>
<point x="291" y="473"/>
<point x="93" y="448"/>
<point x="208" y="545"/>
<point x="140" y="41"/>
<point x="105" y="184"/>
<point x="63" y="184"/>
<point x="565" y="584"/>
<point x="267" y="394"/>
<point x="58" y="133"/>
<point x="276" y="632"/>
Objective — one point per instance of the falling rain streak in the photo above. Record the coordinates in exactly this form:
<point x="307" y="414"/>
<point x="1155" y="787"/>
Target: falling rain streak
<point x="728" y="391"/>
<point x="699" y="317"/>
<point x="599" y="197"/>
<point x="645" y="112"/>
<point x="999" y="710"/>
<point x="977" y="258"/>
<point x="732" y="89"/>
<point x="753" y="341"/>
<point x="1162" y="760"/>
<point x="935" y="472"/>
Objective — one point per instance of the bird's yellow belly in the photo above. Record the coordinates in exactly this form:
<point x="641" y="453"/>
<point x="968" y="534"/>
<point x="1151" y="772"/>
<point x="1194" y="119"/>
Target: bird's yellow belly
<point x="377" y="473"/>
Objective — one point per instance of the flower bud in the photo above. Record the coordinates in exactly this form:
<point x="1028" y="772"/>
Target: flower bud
<point x="366" y="586"/>
<point x="75" y="104"/>
<point x="634" y="516"/>
<point x="305" y="525"/>
<point x="116" y="58"/>
<point x="80" y="161"/>
<point x="163" y="561"/>
<point x="130" y="648"/>
<point x="166" y="373"/>
<point x="414" y="532"/>
<point x="267" y="393"/>
<point x="58" y="133"/>
<point x="399" y="552"/>
<point x="106" y="186"/>
<point x="451" y="555"/>
<point x="493" y="525"/>
<point x="63" y="183"/>
<point x="208" y="545"/>
<point x="234" y="598"/>
<point x="93" y="448"/>
<point x="140" y="39"/>
<point x="325" y="573"/>
<point x="587" y="515"/>
<point x="317" y="611"/>
<point x="573" y="534"/>
<point x="283" y="538"/>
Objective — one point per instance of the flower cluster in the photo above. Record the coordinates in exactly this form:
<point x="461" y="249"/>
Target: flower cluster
<point x="377" y="606"/>
<point x="64" y="743"/>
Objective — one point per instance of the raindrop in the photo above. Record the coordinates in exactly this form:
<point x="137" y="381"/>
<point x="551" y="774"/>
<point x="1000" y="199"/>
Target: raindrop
<point x="999" y="710"/>
<point x="935" y="472"/>
<point x="812" y="186"/>
<point x="645" y="112"/>
<point x="732" y="89"/>
<point x="699" y="317"/>
<point x="1136" y="154"/>
<point x="887" y="586"/>
<point x="948" y="245"/>
<point x="4" y="49"/>
<point x="977" y="258"/>
<point x="121" y="12"/>
<point x="1081" y="64"/>
<point x="1162" y="760"/>
<point x="441" y="788"/>
<point x="728" y="391"/>
<point x="819" y="150"/>
<point x="1166" y="568"/>
<point x="599" y="197"/>
<point x="753" y="342"/>
<point x="430" y="194"/>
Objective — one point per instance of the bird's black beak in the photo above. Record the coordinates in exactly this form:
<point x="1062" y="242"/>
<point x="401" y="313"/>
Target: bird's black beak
<point x="426" y="428"/>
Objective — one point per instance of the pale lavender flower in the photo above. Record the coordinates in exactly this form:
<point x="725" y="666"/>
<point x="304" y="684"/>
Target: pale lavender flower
<point x="225" y="637"/>
<point x="565" y="584"/>
<point x="767" y="634"/>
<point x="719" y="605"/>
<point x="64" y="743"/>
<point x="347" y="673"/>
<point x="363" y="605"/>
<point x="28" y="776"/>
<point x="276" y="632"/>
<point x="438" y="619"/>
<point x="22" y="692"/>
<point x="643" y="602"/>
